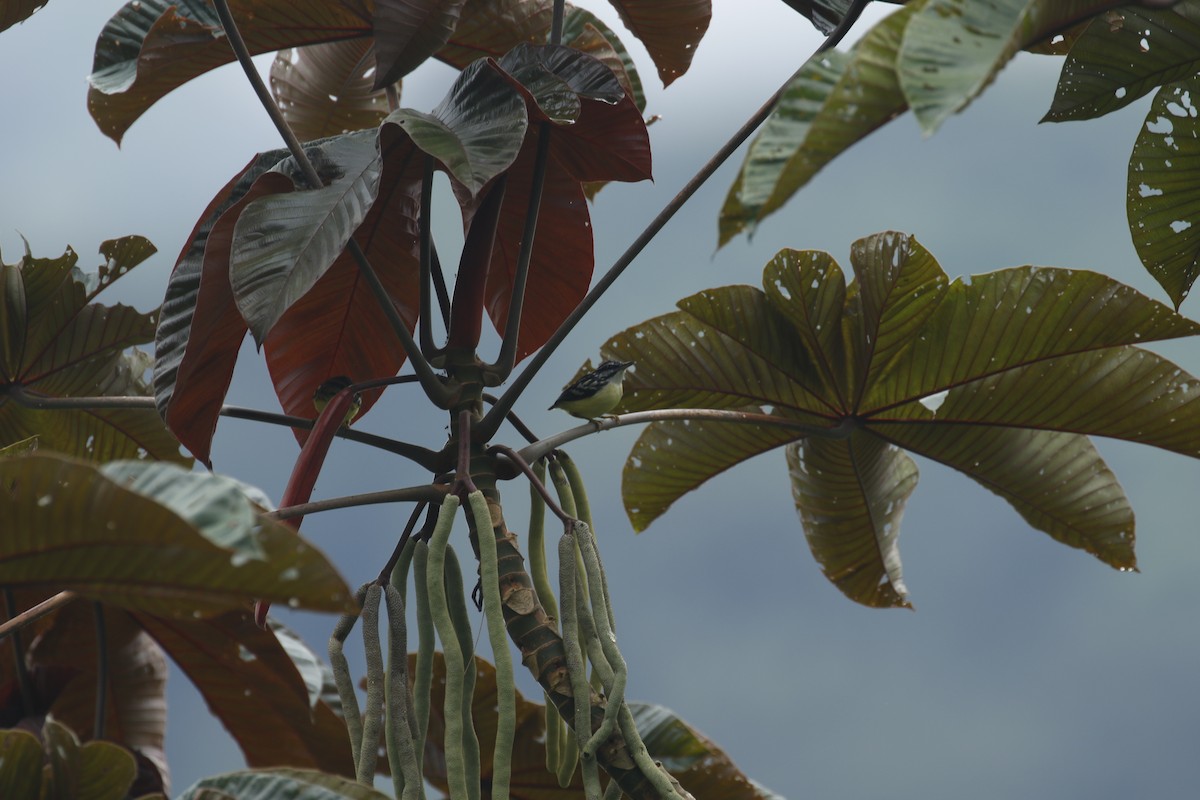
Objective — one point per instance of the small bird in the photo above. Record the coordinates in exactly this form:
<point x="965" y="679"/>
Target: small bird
<point x="596" y="393"/>
<point x="329" y="389"/>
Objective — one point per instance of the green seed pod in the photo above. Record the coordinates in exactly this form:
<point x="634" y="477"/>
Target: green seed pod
<point x="13" y="318"/>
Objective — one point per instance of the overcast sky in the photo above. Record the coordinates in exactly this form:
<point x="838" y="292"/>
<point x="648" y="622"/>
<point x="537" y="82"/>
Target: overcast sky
<point x="1028" y="670"/>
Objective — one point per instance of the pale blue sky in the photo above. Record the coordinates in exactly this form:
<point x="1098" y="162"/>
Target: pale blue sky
<point x="1028" y="670"/>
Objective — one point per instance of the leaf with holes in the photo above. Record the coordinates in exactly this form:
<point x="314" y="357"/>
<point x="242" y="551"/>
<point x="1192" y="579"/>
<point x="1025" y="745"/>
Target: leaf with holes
<point x="327" y="89"/>
<point x="152" y="47"/>
<point x="57" y="343"/>
<point x="1001" y="377"/>
<point x="1123" y="56"/>
<point x="1162" y="201"/>
<point x="152" y="537"/>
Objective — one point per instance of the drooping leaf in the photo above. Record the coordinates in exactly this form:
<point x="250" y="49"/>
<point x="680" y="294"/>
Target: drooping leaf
<point x="1124" y="55"/>
<point x="671" y="31"/>
<point x="409" y="31"/>
<point x="563" y="257"/>
<point x="283" y="243"/>
<point x="1001" y="376"/>
<point x="253" y="686"/>
<point x="606" y="140"/>
<point x="850" y="494"/>
<point x="72" y="527"/>
<point x="151" y="47"/>
<point x="14" y="11"/>
<point x="339" y="327"/>
<point x="201" y="330"/>
<point x="953" y="49"/>
<point x="65" y="345"/>
<point x="1162" y="200"/>
<point x="836" y="100"/>
<point x="270" y="784"/>
<point x="328" y="89"/>
<point x="1056" y="481"/>
<point x="585" y="32"/>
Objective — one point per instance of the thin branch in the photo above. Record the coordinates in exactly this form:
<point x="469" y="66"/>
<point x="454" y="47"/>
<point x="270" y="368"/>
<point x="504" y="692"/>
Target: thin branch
<point x="556" y="22"/>
<point x="425" y="320"/>
<point x="47" y="606"/>
<point x="515" y="421"/>
<point x="430" y="382"/>
<point x="439" y="286"/>
<point x="424" y="493"/>
<point x="518" y="460"/>
<point x="535" y="451"/>
<point x="422" y="456"/>
<point x="385" y="574"/>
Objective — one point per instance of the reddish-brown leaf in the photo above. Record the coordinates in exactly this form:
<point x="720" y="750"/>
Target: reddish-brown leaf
<point x="561" y="268"/>
<point x="670" y="29"/>
<point x="409" y="31"/>
<point x="254" y="688"/>
<point x="338" y="327"/>
<point x="151" y="47"/>
<point x="216" y="333"/>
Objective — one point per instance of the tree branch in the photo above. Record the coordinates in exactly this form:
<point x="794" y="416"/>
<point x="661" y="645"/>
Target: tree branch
<point x="538" y="449"/>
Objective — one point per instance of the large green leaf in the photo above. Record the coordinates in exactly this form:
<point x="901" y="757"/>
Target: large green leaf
<point x="284" y="243"/>
<point x="1162" y="196"/>
<point x="953" y="49"/>
<point x="1124" y="55"/>
<point x="1000" y="376"/>
<point x="151" y="47"/>
<point x="58" y="343"/>
<point x="70" y="526"/>
<point x="327" y="89"/>
<point x="835" y="100"/>
<point x="1056" y="481"/>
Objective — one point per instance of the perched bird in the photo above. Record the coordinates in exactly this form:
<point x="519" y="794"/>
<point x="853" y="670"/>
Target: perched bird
<point x="329" y="389"/>
<point x="596" y="393"/>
